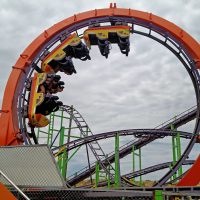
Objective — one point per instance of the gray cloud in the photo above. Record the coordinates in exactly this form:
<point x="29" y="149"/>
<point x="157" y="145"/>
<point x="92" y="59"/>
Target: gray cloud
<point x="141" y="91"/>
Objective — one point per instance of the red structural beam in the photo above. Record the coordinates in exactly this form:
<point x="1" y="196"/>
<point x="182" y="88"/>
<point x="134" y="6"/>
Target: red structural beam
<point x="5" y="193"/>
<point x="193" y="176"/>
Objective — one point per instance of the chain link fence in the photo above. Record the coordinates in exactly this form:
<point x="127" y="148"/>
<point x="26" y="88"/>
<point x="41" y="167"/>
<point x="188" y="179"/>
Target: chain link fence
<point x="32" y="166"/>
<point x="70" y="194"/>
<point x="97" y="194"/>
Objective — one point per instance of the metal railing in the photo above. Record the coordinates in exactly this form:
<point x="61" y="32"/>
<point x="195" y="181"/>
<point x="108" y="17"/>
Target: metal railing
<point x="170" y="121"/>
<point x="1" y="173"/>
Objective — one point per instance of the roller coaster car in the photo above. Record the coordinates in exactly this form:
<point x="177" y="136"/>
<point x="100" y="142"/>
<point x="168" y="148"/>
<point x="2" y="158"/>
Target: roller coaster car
<point x="36" y="99"/>
<point x="103" y="36"/>
<point x="70" y="47"/>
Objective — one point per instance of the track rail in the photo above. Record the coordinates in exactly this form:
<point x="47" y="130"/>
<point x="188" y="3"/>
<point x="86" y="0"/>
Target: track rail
<point x="181" y="119"/>
<point x="154" y="168"/>
<point x="189" y="64"/>
<point x="94" y="145"/>
<point x="148" y="170"/>
<point x="147" y="135"/>
<point x="187" y="50"/>
<point x="138" y="133"/>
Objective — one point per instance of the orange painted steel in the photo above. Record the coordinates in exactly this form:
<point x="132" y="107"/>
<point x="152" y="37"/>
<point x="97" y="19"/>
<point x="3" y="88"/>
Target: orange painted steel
<point x="5" y="194"/>
<point x="9" y="130"/>
<point x="193" y="174"/>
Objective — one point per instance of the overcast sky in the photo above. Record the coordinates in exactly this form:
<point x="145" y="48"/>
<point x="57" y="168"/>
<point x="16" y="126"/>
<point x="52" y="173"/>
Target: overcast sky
<point x="140" y="91"/>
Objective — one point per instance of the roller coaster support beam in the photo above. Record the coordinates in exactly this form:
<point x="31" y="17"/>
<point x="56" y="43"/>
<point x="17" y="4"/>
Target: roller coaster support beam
<point x="62" y="159"/>
<point x="97" y="172"/>
<point x="88" y="157"/>
<point x="68" y="137"/>
<point x="50" y="129"/>
<point x="133" y="157"/>
<point x="134" y="161"/>
<point x="108" y="177"/>
<point x="117" y="162"/>
<point x="176" y="151"/>
<point x="158" y="195"/>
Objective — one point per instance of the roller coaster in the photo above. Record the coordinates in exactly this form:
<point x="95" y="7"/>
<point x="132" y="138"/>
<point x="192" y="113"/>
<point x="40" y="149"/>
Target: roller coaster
<point x="30" y="102"/>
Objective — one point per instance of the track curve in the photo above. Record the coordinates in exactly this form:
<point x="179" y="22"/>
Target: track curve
<point x="150" y="169"/>
<point x="154" y="168"/>
<point x="139" y="133"/>
<point x="147" y="135"/>
<point x="126" y="149"/>
<point x="30" y="56"/>
<point x="12" y="123"/>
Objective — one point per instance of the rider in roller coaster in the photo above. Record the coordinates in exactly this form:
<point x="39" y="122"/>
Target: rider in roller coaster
<point x="63" y="65"/>
<point x="51" y="86"/>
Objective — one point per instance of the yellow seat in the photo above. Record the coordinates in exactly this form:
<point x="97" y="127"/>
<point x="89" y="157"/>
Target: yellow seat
<point x="37" y="120"/>
<point x="110" y="33"/>
<point x="58" y="53"/>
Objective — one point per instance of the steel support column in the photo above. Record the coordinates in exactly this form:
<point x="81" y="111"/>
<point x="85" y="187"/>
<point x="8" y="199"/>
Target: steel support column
<point x="62" y="159"/>
<point x="176" y="152"/>
<point x="134" y="153"/>
<point x="117" y="162"/>
<point x="69" y="136"/>
<point x="97" y="171"/>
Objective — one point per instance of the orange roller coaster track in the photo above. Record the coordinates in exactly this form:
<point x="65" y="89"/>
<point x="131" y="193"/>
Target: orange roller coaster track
<point x="10" y="133"/>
